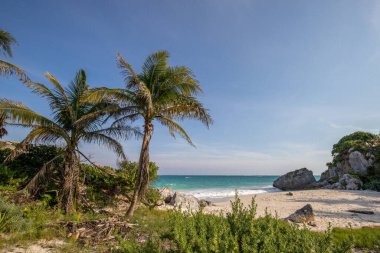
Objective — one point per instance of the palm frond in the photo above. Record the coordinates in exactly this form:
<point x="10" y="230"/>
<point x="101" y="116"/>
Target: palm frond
<point x="187" y="108"/>
<point x="77" y="89"/>
<point x="182" y="80"/>
<point x="154" y="67"/>
<point x="94" y="116"/>
<point x="56" y="84"/>
<point x="40" y="178"/>
<point x="130" y="77"/>
<point x="21" y="114"/>
<point x="8" y="69"/>
<point x="101" y="169"/>
<point x="120" y="131"/>
<point x="175" y="128"/>
<point x="102" y="139"/>
<point x="6" y="41"/>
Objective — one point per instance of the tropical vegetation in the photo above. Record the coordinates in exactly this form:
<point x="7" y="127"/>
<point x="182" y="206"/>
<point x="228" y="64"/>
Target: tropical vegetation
<point x="159" y="93"/>
<point x="367" y="144"/>
<point x="74" y="120"/>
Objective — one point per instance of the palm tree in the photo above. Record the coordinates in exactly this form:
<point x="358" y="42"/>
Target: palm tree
<point x="74" y="120"/>
<point x="6" y="68"/>
<point x="159" y="93"/>
<point x="3" y="131"/>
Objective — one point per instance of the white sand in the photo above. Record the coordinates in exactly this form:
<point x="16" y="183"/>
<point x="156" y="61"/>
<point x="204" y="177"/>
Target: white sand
<point x="330" y="206"/>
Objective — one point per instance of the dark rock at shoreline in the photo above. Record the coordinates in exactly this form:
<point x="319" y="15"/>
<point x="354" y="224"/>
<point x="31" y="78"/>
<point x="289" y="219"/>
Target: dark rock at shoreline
<point x="204" y="202"/>
<point x="296" y="180"/>
<point x="166" y="194"/>
<point x="303" y="215"/>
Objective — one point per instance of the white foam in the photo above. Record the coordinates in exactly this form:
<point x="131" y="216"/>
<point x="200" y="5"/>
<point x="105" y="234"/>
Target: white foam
<point x="225" y="193"/>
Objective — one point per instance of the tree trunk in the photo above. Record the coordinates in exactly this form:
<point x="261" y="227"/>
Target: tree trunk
<point x="142" y="180"/>
<point x="70" y="183"/>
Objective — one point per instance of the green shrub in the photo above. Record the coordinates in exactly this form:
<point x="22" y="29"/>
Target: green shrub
<point x="372" y="184"/>
<point x="360" y="141"/>
<point x="12" y="217"/>
<point x="239" y="231"/>
<point x="20" y="170"/>
<point x="363" y="238"/>
<point x="128" y="171"/>
<point x="105" y="182"/>
<point x="152" y="197"/>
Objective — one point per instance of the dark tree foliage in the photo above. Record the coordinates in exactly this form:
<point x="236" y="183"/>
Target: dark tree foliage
<point x="361" y="141"/>
<point x="24" y="167"/>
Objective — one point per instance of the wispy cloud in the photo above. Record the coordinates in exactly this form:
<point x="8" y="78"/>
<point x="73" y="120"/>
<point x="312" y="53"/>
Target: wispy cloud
<point x="352" y="128"/>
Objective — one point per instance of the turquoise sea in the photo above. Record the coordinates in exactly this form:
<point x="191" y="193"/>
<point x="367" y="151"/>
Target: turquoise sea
<point x="217" y="187"/>
<point x="214" y="187"/>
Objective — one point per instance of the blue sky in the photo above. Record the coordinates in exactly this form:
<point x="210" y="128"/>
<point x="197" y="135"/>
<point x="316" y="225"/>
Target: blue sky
<point x="283" y="80"/>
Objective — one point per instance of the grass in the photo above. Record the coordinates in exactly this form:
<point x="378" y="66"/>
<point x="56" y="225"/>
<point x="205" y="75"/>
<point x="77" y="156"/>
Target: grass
<point x="363" y="238"/>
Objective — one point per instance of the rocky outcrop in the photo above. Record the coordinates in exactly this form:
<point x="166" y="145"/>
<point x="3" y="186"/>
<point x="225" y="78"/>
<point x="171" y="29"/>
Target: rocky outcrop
<point x="358" y="163"/>
<point x="350" y="182"/>
<point x="303" y="215"/>
<point x="182" y="202"/>
<point x="296" y="180"/>
<point x="166" y="194"/>
<point x="345" y="182"/>
<point x="343" y="174"/>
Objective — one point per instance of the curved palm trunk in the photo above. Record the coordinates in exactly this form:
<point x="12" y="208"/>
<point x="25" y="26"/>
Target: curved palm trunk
<point x="70" y="183"/>
<point x="143" y="170"/>
<point x="3" y="131"/>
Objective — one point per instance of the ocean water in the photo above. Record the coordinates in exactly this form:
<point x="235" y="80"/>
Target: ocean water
<point x="218" y="187"/>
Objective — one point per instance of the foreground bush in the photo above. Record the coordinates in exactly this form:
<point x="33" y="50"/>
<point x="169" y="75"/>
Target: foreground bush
<point x="104" y="183"/>
<point x="237" y="231"/>
<point x="21" y="170"/>
<point x="101" y="183"/>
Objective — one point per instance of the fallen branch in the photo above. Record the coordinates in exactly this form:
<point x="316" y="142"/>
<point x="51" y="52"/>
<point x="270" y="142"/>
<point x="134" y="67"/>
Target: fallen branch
<point x="361" y="211"/>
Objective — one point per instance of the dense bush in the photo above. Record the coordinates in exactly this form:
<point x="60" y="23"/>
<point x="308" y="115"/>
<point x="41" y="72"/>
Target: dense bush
<point x="237" y="231"/>
<point x="20" y="170"/>
<point x="363" y="238"/>
<point x="11" y="217"/>
<point x="104" y="183"/>
<point x="360" y="141"/>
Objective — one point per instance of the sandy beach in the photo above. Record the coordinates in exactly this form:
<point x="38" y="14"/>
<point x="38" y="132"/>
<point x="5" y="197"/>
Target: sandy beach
<point x="330" y="206"/>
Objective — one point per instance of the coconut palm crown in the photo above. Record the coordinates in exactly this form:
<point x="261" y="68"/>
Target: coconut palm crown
<point x="74" y="120"/>
<point x="159" y="93"/>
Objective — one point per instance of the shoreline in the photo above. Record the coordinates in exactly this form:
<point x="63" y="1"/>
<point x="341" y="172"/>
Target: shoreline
<point x="330" y="206"/>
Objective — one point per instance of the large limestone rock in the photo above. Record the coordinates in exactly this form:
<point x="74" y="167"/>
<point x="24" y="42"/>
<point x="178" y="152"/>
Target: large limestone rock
<point x="184" y="202"/>
<point x="358" y="162"/>
<point x="349" y="182"/>
<point x="345" y="182"/>
<point x="303" y="215"/>
<point x="332" y="172"/>
<point x="166" y="194"/>
<point x="296" y="180"/>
